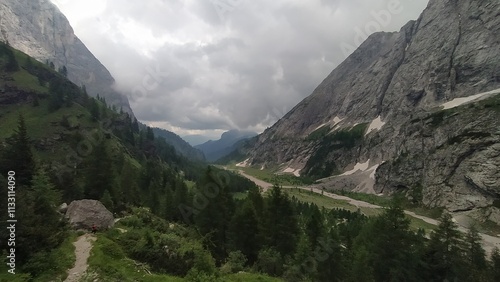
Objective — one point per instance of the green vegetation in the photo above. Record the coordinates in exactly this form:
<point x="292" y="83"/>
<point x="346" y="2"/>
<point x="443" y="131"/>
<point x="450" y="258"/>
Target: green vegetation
<point x="491" y="103"/>
<point x="319" y="133"/>
<point x="369" y="198"/>
<point x="306" y="196"/>
<point x="319" y="164"/>
<point x="189" y="226"/>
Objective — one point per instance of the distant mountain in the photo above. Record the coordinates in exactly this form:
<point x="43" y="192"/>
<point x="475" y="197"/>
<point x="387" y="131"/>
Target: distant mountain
<point x="195" y="139"/>
<point x="215" y="150"/>
<point x="180" y="145"/>
<point x="39" y="29"/>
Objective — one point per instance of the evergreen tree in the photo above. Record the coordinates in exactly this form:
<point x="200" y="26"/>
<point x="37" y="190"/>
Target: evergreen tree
<point x="443" y="255"/>
<point x="107" y="201"/>
<point x="393" y="252"/>
<point x="135" y="126"/>
<point x="98" y="172"/>
<point x="215" y="213"/>
<point x="128" y="184"/>
<point x="40" y="225"/>
<point x="475" y="256"/>
<point x="280" y="227"/>
<point x="17" y="156"/>
<point x="314" y="226"/>
<point x="149" y="134"/>
<point x="94" y="110"/>
<point x="243" y="231"/>
<point x="169" y="208"/>
<point x="181" y="199"/>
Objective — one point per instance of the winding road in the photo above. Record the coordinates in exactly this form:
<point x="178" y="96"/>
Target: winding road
<point x="489" y="242"/>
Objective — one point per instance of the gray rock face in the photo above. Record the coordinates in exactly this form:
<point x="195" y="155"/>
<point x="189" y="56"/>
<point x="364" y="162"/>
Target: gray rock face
<point x="39" y="29"/>
<point x="83" y="214"/>
<point x="397" y="82"/>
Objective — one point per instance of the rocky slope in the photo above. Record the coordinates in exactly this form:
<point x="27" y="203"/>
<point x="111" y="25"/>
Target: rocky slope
<point x="39" y="29"/>
<point x="377" y="120"/>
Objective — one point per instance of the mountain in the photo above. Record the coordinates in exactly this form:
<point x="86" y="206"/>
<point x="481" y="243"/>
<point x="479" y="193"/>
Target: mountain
<point x="196" y="139"/>
<point x="39" y="29"/>
<point x="391" y="118"/>
<point x="217" y="149"/>
<point x="180" y="145"/>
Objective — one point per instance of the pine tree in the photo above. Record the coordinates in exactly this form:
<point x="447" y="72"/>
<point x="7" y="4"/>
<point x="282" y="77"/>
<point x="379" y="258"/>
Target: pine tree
<point x="280" y="226"/>
<point x="392" y="250"/>
<point x="40" y="226"/>
<point x="443" y="255"/>
<point x="475" y="256"/>
<point x="98" y="172"/>
<point x="107" y="201"/>
<point x="213" y="219"/>
<point x="94" y="110"/>
<point x="17" y="156"/>
<point x="314" y="226"/>
<point x="243" y="231"/>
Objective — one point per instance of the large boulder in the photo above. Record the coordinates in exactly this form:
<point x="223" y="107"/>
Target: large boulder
<point x="83" y="214"/>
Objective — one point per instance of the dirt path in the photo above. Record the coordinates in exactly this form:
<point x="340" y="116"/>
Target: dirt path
<point x="261" y="183"/>
<point x="489" y="242"/>
<point x="83" y="245"/>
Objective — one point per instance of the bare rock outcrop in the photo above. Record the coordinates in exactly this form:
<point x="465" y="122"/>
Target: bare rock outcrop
<point x="82" y="214"/>
<point x="393" y="88"/>
<point x="39" y="29"/>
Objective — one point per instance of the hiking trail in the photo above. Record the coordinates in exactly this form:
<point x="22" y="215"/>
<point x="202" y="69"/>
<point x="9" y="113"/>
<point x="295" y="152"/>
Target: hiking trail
<point x="83" y="245"/>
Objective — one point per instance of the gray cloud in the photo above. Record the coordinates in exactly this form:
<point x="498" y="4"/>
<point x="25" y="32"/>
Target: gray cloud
<point x="243" y="68"/>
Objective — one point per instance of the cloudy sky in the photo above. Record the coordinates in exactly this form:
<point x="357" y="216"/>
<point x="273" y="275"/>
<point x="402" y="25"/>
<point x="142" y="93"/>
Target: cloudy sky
<point x="207" y="66"/>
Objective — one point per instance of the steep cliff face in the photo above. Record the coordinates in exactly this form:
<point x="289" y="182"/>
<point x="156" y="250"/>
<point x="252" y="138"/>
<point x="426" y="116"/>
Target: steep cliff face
<point x="377" y="121"/>
<point x="39" y="29"/>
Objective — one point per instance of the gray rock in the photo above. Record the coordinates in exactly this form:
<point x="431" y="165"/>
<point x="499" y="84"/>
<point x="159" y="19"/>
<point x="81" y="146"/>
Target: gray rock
<point x="83" y="214"/>
<point x="39" y="29"/>
<point x="63" y="208"/>
<point x="451" y="51"/>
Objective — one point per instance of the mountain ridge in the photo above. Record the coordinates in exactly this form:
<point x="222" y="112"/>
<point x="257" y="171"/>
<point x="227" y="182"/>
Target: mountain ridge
<point x="451" y="51"/>
<point x="40" y="30"/>
<point x="216" y="149"/>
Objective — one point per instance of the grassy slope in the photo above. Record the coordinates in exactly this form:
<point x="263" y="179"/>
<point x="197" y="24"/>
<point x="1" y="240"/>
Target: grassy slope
<point x="329" y="203"/>
<point x="108" y="262"/>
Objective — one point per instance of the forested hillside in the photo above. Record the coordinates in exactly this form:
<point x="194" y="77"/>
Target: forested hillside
<point x="183" y="221"/>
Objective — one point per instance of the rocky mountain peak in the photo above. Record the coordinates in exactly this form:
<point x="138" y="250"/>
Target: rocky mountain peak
<point x="383" y="110"/>
<point x="39" y="29"/>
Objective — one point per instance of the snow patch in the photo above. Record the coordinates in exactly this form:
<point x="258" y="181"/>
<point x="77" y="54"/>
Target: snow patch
<point x="320" y="126"/>
<point x="243" y="163"/>
<point x="262" y="167"/>
<point x="376" y="124"/>
<point x="460" y="101"/>
<point x="358" y="167"/>
<point x="374" y="170"/>
<point x="295" y="172"/>
<point x="332" y="123"/>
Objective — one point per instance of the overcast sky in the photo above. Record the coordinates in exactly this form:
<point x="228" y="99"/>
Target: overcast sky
<point x="207" y="66"/>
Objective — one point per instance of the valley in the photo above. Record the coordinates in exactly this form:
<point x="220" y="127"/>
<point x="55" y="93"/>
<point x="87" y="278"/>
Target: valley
<point x="490" y="241"/>
<point x="381" y="166"/>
